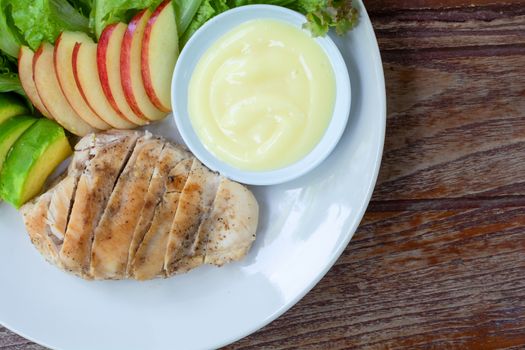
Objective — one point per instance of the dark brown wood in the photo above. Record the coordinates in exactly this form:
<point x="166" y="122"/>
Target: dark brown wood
<point x="439" y="259"/>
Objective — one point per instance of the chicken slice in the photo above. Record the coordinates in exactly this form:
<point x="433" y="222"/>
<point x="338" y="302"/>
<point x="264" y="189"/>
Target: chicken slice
<point x="63" y="193"/>
<point x="60" y="206"/>
<point x="169" y="157"/>
<point x="46" y="216"/>
<point x="149" y="259"/>
<point x="231" y="225"/>
<point x="107" y="159"/>
<point x="112" y="238"/>
<point x="229" y="229"/>
<point x="34" y="214"/>
<point x="195" y="203"/>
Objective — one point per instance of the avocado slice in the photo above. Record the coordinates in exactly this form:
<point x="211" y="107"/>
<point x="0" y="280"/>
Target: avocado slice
<point x="10" y="131"/>
<point x="33" y="157"/>
<point x="11" y="105"/>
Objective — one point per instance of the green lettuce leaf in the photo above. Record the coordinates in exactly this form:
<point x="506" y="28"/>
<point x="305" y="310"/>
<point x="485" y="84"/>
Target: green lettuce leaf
<point x="9" y="81"/>
<point x="82" y="6"/>
<point x="185" y="10"/>
<point x="44" y="20"/>
<point x="207" y="10"/>
<point x="105" y="12"/>
<point x="9" y="38"/>
<point x="322" y="15"/>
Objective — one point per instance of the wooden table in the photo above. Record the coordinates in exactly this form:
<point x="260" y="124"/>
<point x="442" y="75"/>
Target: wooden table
<point x="439" y="259"/>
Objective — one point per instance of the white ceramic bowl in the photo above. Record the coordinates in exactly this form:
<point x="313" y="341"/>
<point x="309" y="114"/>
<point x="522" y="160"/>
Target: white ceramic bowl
<point x="197" y="46"/>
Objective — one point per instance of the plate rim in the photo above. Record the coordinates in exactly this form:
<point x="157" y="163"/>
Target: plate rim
<point x="349" y="235"/>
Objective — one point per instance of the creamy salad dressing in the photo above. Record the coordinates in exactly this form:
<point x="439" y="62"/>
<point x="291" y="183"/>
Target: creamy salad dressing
<point x="262" y="96"/>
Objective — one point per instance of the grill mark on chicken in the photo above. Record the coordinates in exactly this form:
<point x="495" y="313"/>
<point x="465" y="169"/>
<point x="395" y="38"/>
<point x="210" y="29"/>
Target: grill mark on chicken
<point x="194" y="203"/>
<point x="114" y="232"/>
<point x="149" y="259"/>
<point x="169" y="158"/>
<point x="95" y="184"/>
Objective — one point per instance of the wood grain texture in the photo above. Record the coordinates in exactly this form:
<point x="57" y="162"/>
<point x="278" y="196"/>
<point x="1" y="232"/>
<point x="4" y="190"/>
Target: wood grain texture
<point x="439" y="259"/>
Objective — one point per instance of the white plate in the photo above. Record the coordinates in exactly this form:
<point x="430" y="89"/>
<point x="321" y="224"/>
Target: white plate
<point x="305" y="225"/>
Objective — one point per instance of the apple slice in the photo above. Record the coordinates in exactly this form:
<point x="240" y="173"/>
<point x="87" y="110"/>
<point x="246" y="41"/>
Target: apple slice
<point x="25" y="73"/>
<point x="108" y="61"/>
<point x="86" y="76"/>
<point x="130" y="68"/>
<point x="160" y="50"/>
<point x="51" y="94"/>
<point x="63" y="56"/>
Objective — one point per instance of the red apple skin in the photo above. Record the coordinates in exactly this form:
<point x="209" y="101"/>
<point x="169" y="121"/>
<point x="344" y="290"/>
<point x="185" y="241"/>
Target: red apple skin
<point x="68" y="85"/>
<point x="57" y="104"/>
<point x="130" y="69"/>
<point x="103" y="43"/>
<point x="125" y="66"/>
<point x="146" y="75"/>
<point x="31" y="91"/>
<point x="75" y="71"/>
<point x="100" y="104"/>
<point x="102" y="56"/>
<point x="38" y="52"/>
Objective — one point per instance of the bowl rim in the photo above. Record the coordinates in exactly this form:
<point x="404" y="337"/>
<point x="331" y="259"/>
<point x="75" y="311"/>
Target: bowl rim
<point x="189" y="57"/>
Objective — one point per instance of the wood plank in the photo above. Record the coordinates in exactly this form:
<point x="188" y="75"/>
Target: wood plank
<point x="404" y="5"/>
<point x="456" y="122"/>
<point x="11" y="341"/>
<point x="419" y="280"/>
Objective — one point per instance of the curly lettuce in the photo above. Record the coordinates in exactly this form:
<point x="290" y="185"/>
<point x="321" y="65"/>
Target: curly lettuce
<point x="321" y="15"/>
<point x="326" y="14"/>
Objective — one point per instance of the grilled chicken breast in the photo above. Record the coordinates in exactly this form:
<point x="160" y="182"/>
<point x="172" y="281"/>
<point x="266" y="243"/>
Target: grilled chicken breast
<point x="149" y="260"/>
<point x="109" y="253"/>
<point x="135" y="206"/>
<point x="95" y="185"/>
<point x="169" y="158"/>
<point x="35" y="213"/>
<point x="194" y="204"/>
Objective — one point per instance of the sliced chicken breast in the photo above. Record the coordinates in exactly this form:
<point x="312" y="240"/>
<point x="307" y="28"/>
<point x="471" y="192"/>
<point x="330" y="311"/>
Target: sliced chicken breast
<point x="149" y="260"/>
<point x="228" y="231"/>
<point x="60" y="206"/>
<point x="112" y="238"/>
<point x="170" y="156"/>
<point x="108" y="158"/>
<point x="34" y="214"/>
<point x="63" y="193"/>
<point x="231" y="225"/>
<point x="132" y="205"/>
<point x="194" y="205"/>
